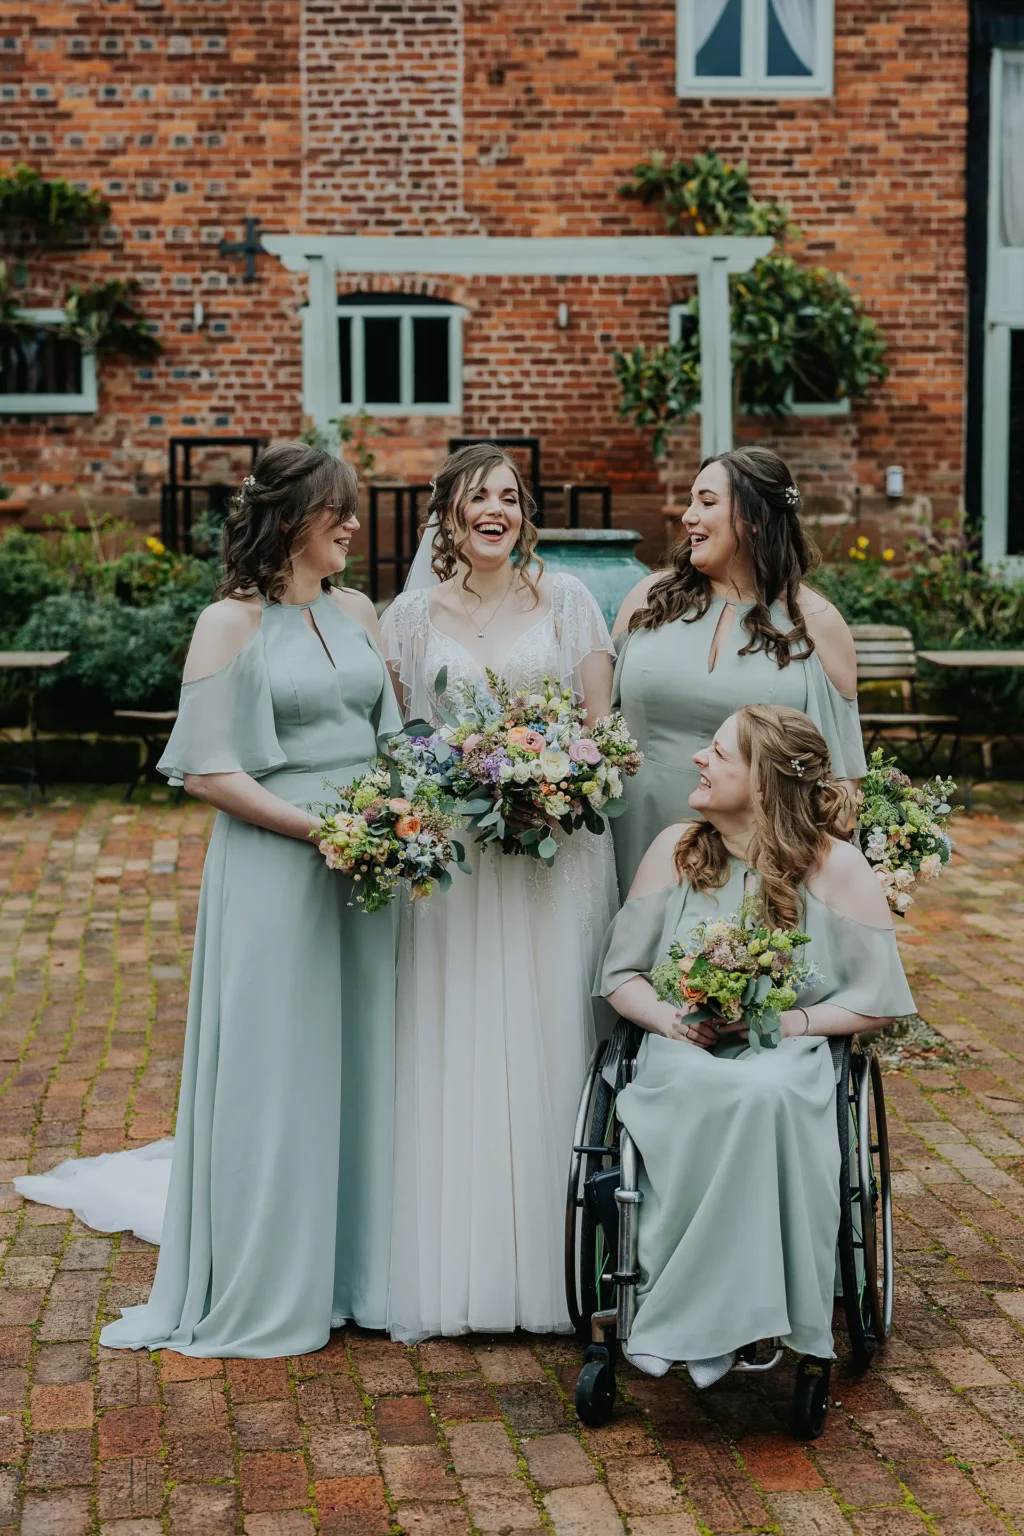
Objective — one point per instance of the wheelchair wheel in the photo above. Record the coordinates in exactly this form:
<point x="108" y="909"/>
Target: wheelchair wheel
<point x="595" y="1388"/>
<point x="810" y="1397"/>
<point x="865" y="1227"/>
<point x="586" y="1258"/>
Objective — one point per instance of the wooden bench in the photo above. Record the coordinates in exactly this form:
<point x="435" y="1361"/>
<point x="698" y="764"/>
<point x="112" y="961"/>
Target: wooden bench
<point x="154" y="726"/>
<point x="886" y="655"/>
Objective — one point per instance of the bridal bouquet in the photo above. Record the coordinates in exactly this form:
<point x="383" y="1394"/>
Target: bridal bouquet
<point x="903" y="829"/>
<point x="393" y="823"/>
<point x="734" y="968"/>
<point x="523" y="764"/>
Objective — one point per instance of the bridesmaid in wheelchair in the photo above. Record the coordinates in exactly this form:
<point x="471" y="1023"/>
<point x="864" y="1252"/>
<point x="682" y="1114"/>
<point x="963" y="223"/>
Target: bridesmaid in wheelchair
<point x="740" y="1173"/>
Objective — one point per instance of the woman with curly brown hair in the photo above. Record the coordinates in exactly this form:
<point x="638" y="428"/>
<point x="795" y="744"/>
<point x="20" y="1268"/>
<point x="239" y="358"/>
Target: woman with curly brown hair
<point x="277" y="1221"/>
<point x="732" y="621"/>
<point x="740" y="1148"/>
<point x="494" y="1016"/>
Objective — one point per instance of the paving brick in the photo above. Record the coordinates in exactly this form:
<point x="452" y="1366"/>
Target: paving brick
<point x="586" y="1511"/>
<point x="558" y="1461"/>
<point x="434" y="1519"/>
<point x="455" y="1400"/>
<point x="808" y="1514"/>
<point x="350" y="1506"/>
<point x="254" y="1381"/>
<point x="329" y="1399"/>
<point x="175" y="1367"/>
<point x="342" y="1451"/>
<point x="500" y="1504"/>
<point x="778" y="1464"/>
<point x="404" y="1421"/>
<point x="203" y="1512"/>
<point x="129" y="1432"/>
<point x="481" y="1450"/>
<point x="60" y="1459"/>
<point x="266" y="1426"/>
<point x="200" y="1455"/>
<point x="860" y="1479"/>
<point x="273" y="1480"/>
<point x="56" y="1514"/>
<point x="130" y="1488"/>
<point x="384" y="1367"/>
<point x="417" y="1472"/>
<point x="532" y="1410"/>
<point x="941" y="1489"/>
<point x="438" y="1356"/>
<point x="283" y="1523"/>
<point x="62" y="1407"/>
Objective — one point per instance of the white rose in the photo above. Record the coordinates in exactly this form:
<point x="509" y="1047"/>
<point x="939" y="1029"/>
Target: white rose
<point x="554" y="764"/>
<point x="522" y="772"/>
<point x="536" y="771"/>
<point x="506" y="772"/>
<point x="931" y="864"/>
<point x="903" y="901"/>
<point x="904" y="878"/>
<point x="614" y="784"/>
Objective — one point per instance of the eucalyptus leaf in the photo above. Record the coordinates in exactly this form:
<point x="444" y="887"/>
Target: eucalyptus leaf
<point x="475" y="807"/>
<point x="441" y="682"/>
<point x="754" y="1040"/>
<point x="458" y="850"/>
<point x="467" y="869"/>
<point x="615" y="808"/>
<point x="548" y="848"/>
<point x="748" y="993"/>
<point x="444" y="880"/>
<point x="442" y="752"/>
<point x="762" y="987"/>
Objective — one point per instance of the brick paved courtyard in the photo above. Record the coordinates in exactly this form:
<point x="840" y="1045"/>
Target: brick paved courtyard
<point x="366" y="1437"/>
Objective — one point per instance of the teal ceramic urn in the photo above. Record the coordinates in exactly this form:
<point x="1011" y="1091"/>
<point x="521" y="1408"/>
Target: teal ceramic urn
<point x="604" y="559"/>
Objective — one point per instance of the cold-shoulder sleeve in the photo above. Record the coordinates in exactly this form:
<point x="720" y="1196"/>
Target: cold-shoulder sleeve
<point x="860" y="964"/>
<point x="838" y="720"/>
<point x="404" y="633"/>
<point x="579" y="627"/>
<point x="225" y="721"/>
<point x="634" y="940"/>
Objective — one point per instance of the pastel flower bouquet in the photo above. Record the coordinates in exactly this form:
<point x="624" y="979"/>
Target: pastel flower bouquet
<point x="521" y="765"/>
<point x="902" y="829"/>
<point x="734" y="968"/>
<point x="393" y="823"/>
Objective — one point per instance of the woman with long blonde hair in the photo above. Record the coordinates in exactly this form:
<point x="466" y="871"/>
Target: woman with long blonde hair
<point x="740" y="1147"/>
<point x="494" y="1015"/>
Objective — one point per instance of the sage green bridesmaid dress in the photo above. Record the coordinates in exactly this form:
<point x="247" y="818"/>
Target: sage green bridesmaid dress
<point x="674" y="706"/>
<point x="278" y="1215"/>
<point x="740" y="1178"/>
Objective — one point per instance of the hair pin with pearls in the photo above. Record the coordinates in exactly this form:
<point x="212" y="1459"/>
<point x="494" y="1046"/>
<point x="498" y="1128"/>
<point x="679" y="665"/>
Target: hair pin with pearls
<point x="249" y="482"/>
<point x="792" y="496"/>
<point x="797" y="766"/>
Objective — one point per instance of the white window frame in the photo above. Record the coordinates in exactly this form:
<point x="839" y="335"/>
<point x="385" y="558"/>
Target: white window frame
<point x="795" y="407"/>
<point x="405" y="313"/>
<point x="86" y="402"/>
<point x="753" y="79"/>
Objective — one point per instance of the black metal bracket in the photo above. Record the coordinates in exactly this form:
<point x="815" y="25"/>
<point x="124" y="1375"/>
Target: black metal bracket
<point x="250" y="248"/>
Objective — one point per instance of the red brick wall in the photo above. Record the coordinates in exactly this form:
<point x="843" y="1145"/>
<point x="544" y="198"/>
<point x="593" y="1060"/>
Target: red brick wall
<point x="370" y="115"/>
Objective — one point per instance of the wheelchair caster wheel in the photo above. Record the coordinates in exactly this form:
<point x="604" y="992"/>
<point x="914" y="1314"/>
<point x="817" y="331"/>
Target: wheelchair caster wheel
<point x="810" y="1397"/>
<point x="595" y="1389"/>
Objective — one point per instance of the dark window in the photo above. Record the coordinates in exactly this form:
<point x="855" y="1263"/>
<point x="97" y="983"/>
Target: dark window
<point x="1015" y="468"/>
<point x="782" y="57"/>
<point x="382" y="363"/>
<point x="430" y="383"/>
<point x="40" y="363"/>
<point x="722" y="53"/>
<point x="345" y="350"/>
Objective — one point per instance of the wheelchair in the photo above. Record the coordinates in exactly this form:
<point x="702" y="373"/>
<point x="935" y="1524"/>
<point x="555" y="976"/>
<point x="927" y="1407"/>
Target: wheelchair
<point x="601" y="1229"/>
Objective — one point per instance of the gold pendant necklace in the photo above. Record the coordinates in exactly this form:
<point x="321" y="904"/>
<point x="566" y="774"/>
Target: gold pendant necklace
<point x="494" y="615"/>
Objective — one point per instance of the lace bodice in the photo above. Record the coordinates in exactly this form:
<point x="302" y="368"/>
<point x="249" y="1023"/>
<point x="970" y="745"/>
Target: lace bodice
<point x="554" y="646"/>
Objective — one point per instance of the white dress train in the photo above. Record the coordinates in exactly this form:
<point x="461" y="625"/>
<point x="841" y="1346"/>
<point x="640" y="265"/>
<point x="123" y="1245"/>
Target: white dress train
<point x="494" y="1023"/>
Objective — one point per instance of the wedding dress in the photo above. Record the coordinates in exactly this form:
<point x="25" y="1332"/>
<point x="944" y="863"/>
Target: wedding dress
<point x="494" y="1024"/>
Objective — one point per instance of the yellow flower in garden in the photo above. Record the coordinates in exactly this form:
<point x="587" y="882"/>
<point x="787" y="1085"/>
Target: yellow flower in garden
<point x="853" y="552"/>
<point x="155" y="547"/>
<point x="862" y="542"/>
<point x="888" y="554"/>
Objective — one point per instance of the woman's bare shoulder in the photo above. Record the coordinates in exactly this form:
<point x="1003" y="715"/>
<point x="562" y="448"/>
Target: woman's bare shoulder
<point x="833" y="641"/>
<point x="657" y="867"/>
<point x="359" y="607"/>
<point x="635" y="599"/>
<point x="222" y="631"/>
<point x="846" y="882"/>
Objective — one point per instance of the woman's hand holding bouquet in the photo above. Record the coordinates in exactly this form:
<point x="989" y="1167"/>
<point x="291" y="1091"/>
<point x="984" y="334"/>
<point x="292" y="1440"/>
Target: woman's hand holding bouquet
<point x="732" y="971"/>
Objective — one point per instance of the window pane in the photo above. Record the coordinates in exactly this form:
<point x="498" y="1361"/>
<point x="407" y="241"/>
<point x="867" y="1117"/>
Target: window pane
<point x="722" y="52"/>
<point x="345" y="353"/>
<point x="383" y="368"/>
<point x="791" y="37"/>
<point x="1015" y="484"/>
<point x="41" y="363"/>
<point x="430" y="383"/>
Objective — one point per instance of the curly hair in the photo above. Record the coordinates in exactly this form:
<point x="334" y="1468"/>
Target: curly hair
<point x="290" y="485"/>
<point x="459" y="475"/>
<point x="798" y="806"/>
<point x="765" y="502"/>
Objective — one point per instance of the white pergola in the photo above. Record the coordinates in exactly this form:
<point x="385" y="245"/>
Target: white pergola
<point x="711" y="259"/>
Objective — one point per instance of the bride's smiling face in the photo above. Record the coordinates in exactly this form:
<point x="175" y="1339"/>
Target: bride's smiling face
<point x="493" y="516"/>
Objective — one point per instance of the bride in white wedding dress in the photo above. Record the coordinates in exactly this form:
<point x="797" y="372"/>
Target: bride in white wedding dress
<point x="494" y="1016"/>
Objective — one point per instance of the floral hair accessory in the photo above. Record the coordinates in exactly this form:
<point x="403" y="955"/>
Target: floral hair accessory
<point x="792" y="496"/>
<point x="797" y="766"/>
<point x="249" y="482"/>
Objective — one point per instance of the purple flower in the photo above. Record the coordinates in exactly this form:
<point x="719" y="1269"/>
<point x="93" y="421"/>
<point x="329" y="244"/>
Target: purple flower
<point x="492" y="765"/>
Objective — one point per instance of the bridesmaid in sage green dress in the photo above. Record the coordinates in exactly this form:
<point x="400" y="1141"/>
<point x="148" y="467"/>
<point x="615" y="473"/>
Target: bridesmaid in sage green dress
<point x="730" y="623"/>
<point x="740" y="1180"/>
<point x="277" y="1223"/>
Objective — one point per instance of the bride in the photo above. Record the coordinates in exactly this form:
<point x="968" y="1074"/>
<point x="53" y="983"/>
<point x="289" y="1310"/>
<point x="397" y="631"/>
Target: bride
<point x="494" y="1016"/>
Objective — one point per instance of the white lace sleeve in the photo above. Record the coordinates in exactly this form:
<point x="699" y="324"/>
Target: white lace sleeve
<point x="579" y="627"/>
<point x="404" y="631"/>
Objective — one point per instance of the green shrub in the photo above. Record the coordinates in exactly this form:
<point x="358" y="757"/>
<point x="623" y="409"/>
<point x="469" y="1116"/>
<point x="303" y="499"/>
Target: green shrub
<point x="26" y="578"/>
<point x="948" y="602"/>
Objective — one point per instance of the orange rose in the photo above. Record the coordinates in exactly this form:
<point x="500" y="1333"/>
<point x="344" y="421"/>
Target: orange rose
<point x="407" y="826"/>
<point x="400" y="807"/>
<point x="694" y="995"/>
<point x="686" y="964"/>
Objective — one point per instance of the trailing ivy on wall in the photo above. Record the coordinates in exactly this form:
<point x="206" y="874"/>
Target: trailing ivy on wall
<point x="103" y="317"/>
<point x="798" y="332"/>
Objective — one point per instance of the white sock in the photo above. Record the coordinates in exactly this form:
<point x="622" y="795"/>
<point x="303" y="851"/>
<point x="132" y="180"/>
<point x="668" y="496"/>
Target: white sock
<point x="704" y="1373"/>
<point x="654" y="1365"/>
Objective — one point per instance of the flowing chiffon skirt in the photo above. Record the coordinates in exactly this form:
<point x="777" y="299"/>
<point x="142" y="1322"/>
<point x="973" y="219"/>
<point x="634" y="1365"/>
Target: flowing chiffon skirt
<point x="494" y="1026"/>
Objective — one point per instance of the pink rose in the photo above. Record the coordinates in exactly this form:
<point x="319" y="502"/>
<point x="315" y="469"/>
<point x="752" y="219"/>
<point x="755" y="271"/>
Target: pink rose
<point x="529" y="741"/>
<point x="472" y="742"/>
<point x="585" y="751"/>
